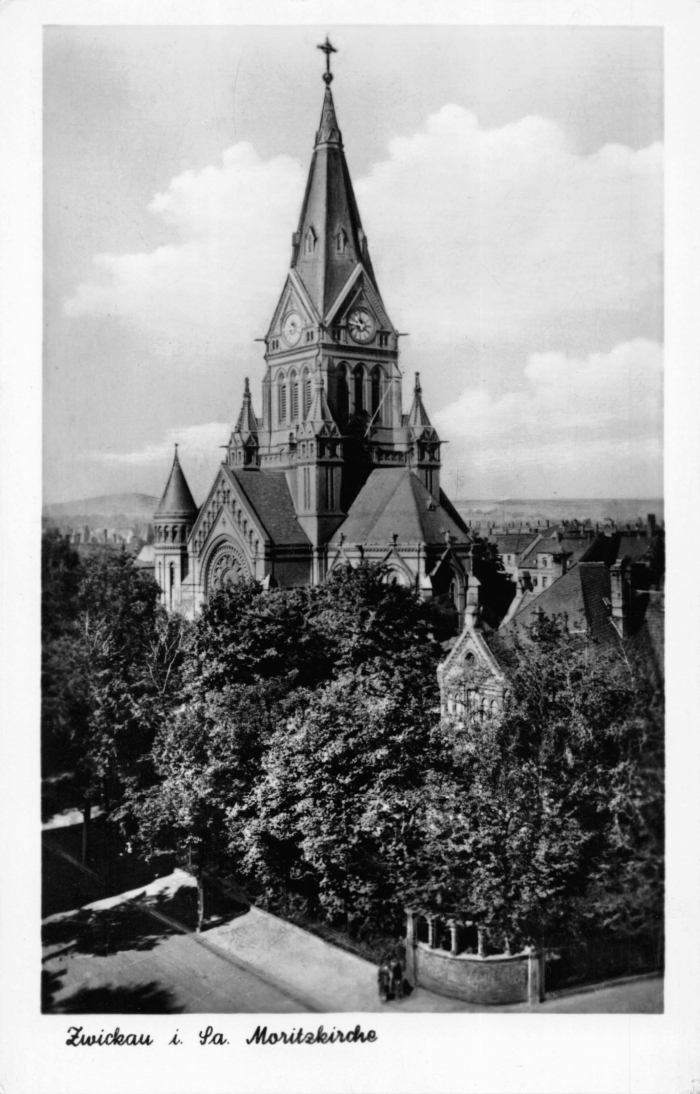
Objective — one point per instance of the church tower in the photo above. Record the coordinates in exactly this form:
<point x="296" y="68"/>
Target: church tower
<point x="331" y="350"/>
<point x="173" y="519"/>
<point x="333" y="472"/>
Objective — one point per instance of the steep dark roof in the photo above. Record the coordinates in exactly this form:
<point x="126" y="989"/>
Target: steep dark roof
<point x="394" y="501"/>
<point x="177" y="501"/>
<point x="646" y="642"/>
<point x="512" y="543"/>
<point x="595" y="585"/>
<point x="268" y="495"/>
<point x="633" y="547"/>
<point x="580" y="595"/>
<point x="329" y="207"/>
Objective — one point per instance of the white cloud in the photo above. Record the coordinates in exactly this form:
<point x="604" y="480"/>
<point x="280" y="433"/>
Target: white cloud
<point x="490" y="234"/>
<point x="494" y="233"/>
<point x="211" y="289"/>
<point x="588" y="426"/>
<point x="486" y="235"/>
<point x="199" y="449"/>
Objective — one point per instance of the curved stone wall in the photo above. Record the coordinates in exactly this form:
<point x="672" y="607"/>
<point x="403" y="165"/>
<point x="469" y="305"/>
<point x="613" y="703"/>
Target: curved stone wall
<point x="496" y="980"/>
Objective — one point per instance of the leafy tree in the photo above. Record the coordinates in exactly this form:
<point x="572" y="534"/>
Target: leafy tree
<point x="206" y="758"/>
<point x="110" y="663"/>
<point x="305" y="636"/>
<point x="544" y="802"/>
<point x="310" y="828"/>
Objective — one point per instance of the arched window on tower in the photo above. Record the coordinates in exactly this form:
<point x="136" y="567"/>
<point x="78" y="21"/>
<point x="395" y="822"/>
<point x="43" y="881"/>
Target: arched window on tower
<point x="377" y="385"/>
<point x="306" y="390"/>
<point x="359" y="378"/>
<point x="341" y="241"/>
<point x="281" y="398"/>
<point x="293" y="396"/>
<point x="342" y="389"/>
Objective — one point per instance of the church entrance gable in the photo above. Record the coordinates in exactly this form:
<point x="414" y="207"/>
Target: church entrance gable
<point x="225" y="516"/>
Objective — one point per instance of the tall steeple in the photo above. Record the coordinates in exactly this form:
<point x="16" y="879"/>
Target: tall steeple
<point x="330" y="241"/>
<point x="332" y="386"/>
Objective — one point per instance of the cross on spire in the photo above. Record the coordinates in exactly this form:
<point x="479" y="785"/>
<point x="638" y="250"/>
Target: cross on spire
<point x="327" y="48"/>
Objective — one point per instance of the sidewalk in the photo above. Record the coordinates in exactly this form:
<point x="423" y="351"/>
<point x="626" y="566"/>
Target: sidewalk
<point x="254" y="962"/>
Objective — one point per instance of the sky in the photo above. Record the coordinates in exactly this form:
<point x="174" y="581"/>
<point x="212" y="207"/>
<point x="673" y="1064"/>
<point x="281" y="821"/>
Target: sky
<point x="509" y="180"/>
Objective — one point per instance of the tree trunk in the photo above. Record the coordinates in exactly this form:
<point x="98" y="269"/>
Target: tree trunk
<point x="87" y="809"/>
<point x="200" y="904"/>
<point x="481" y="944"/>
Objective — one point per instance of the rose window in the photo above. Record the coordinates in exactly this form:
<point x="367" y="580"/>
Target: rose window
<point x="226" y="569"/>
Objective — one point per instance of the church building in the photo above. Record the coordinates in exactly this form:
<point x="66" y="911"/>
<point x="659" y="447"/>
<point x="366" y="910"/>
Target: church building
<point x="332" y="472"/>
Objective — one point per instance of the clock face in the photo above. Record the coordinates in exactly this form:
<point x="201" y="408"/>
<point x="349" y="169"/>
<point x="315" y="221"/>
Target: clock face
<point x="360" y="325"/>
<point x="291" y="328"/>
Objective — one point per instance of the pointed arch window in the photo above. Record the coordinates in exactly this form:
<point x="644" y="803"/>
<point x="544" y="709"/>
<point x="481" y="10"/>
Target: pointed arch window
<point x="377" y="393"/>
<point x="342" y="392"/>
<point x="341" y="241"/>
<point x="310" y="242"/>
<point x="281" y="398"/>
<point x="293" y="396"/>
<point x="306" y="390"/>
<point x="359" y="380"/>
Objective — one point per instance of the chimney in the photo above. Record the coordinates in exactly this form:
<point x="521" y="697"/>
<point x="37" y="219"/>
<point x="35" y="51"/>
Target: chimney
<point x="651" y="524"/>
<point x="619" y="596"/>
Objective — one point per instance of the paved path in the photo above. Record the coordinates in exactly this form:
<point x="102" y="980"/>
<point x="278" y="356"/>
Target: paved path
<point x="131" y="953"/>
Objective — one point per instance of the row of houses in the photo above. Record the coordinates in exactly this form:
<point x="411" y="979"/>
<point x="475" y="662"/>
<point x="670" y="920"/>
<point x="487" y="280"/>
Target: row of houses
<point x="607" y="586"/>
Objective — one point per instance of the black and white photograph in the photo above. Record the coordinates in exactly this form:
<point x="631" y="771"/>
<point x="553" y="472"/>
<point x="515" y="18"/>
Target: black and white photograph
<point x="352" y="560"/>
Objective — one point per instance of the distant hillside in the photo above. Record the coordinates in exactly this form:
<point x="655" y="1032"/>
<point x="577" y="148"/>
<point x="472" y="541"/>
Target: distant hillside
<point x="620" y="510"/>
<point x="116" y="508"/>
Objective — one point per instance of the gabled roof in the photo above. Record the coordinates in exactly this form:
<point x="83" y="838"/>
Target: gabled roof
<point x="580" y="595"/>
<point x="580" y="548"/>
<point x="513" y="543"/>
<point x="177" y="501"/>
<point x="394" y="501"/>
<point x="267" y="493"/>
<point x="330" y="241"/>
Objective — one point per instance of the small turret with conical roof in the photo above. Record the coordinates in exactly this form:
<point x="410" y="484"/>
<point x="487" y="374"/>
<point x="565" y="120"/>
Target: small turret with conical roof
<point x="424" y="455"/>
<point x="173" y="521"/>
<point x="177" y="501"/>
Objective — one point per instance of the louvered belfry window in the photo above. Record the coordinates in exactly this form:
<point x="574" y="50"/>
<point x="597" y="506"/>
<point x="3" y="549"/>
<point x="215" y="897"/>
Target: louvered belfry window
<point x="294" y="395"/>
<point x="342" y="389"/>
<point x="281" y="399"/>
<point x="359" y="374"/>
<point x="306" y="389"/>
